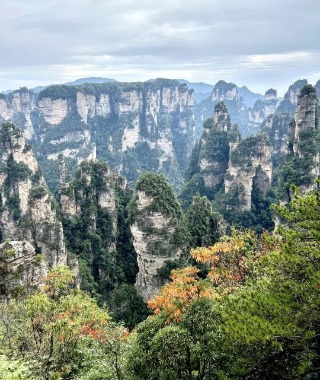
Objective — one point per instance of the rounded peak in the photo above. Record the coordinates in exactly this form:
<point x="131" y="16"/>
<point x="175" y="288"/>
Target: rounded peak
<point x="298" y="84"/>
<point x="308" y="90"/>
<point x="272" y="92"/>
<point x="225" y="85"/>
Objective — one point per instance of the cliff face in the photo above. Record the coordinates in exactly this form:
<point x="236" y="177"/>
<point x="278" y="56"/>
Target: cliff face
<point x="28" y="210"/>
<point x="228" y="94"/>
<point x="304" y="119"/>
<point x="155" y="219"/>
<point x="301" y="165"/>
<point x="135" y="127"/>
<point x="95" y="224"/>
<point x="234" y="173"/>
<point x="18" y="107"/>
<point x="21" y="270"/>
<point x="250" y="161"/>
<point x="94" y="185"/>
<point x="214" y="148"/>
<point x="276" y="124"/>
<point x="263" y="109"/>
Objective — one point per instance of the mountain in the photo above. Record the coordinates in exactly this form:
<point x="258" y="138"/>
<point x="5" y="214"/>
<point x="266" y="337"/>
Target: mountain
<point x="89" y="80"/>
<point x="243" y="176"/>
<point x="248" y="96"/>
<point x="201" y="90"/>
<point x="133" y="126"/>
<point x="29" y="224"/>
<point x="75" y="83"/>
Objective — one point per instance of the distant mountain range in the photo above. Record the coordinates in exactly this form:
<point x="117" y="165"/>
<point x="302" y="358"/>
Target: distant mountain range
<point x="201" y="90"/>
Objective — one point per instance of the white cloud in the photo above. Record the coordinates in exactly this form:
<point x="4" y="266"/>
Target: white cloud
<point x="248" y="42"/>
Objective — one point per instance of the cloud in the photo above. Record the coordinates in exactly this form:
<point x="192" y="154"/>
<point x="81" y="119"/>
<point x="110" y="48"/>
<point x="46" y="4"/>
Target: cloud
<point x="252" y="41"/>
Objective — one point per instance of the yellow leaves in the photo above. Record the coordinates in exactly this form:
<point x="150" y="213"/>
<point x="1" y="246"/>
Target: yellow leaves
<point x="177" y="295"/>
<point x="231" y="260"/>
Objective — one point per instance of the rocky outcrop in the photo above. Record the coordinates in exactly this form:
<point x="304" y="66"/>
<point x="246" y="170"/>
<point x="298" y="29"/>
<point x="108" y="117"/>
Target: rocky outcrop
<point x="224" y="91"/>
<point x="94" y="189"/>
<point x="304" y="119"/>
<point x="276" y="125"/>
<point x="263" y="109"/>
<point x="28" y="212"/>
<point x="134" y="126"/>
<point x="301" y="166"/>
<point x="229" y="94"/>
<point x="250" y="161"/>
<point x="232" y="172"/>
<point x="18" y="107"/>
<point x="214" y="147"/>
<point x="294" y="91"/>
<point x="21" y="270"/>
<point x="155" y="217"/>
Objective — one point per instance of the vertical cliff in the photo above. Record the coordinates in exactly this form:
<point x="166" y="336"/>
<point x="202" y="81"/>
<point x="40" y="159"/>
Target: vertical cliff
<point x="234" y="173"/>
<point x="95" y="226"/>
<point x="18" y="107"/>
<point x="276" y="125"/>
<point x="227" y="93"/>
<point x="133" y="126"/>
<point x="214" y="148"/>
<point x="28" y="211"/>
<point x="301" y="165"/>
<point x="250" y="161"/>
<point x="155" y="216"/>
<point x="262" y="109"/>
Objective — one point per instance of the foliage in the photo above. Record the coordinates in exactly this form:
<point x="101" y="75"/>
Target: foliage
<point x="107" y="257"/>
<point x="308" y="90"/>
<point x="127" y="306"/>
<point x="264" y="292"/>
<point x="47" y="328"/>
<point x="175" y="297"/>
<point x="163" y="198"/>
<point x="9" y="132"/>
<point x="297" y="169"/>
<point x="246" y="149"/>
<point x="14" y="369"/>
<point x="202" y="223"/>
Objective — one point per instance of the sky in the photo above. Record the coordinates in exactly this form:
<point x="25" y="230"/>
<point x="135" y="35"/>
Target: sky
<point x="257" y="43"/>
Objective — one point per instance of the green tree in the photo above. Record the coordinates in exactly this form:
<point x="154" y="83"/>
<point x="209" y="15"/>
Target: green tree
<point x="51" y="329"/>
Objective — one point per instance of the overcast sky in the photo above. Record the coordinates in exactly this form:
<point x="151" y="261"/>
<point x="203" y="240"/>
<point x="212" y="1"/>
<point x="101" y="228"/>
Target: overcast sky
<point x="257" y="43"/>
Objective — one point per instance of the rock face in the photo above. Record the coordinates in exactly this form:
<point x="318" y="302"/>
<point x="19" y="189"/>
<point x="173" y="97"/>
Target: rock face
<point x="304" y="119"/>
<point x="95" y="225"/>
<point x="94" y="182"/>
<point x="133" y="126"/>
<point x="262" y="109"/>
<point x="21" y="270"/>
<point x="18" y="107"/>
<point x="28" y="212"/>
<point x="227" y="93"/>
<point x="155" y="231"/>
<point x="276" y="125"/>
<point x="228" y="167"/>
<point x="250" y="160"/>
<point x="214" y="148"/>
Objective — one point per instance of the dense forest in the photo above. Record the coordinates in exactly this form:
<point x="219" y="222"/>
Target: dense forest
<point x="253" y="315"/>
<point x="215" y="276"/>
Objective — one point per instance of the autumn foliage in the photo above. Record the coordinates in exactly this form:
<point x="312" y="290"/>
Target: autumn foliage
<point x="185" y="287"/>
<point x="230" y="261"/>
